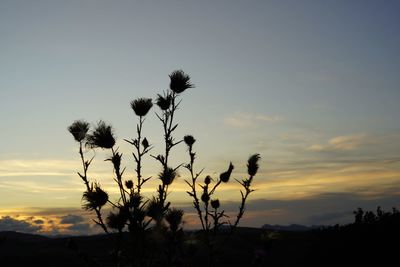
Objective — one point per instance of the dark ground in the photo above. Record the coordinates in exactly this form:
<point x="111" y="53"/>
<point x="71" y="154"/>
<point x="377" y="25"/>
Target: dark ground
<point x="352" y="245"/>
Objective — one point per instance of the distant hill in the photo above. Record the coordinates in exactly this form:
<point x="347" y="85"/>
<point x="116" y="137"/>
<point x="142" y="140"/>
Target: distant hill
<point x="359" y="244"/>
<point x="11" y="235"/>
<point x="291" y="227"/>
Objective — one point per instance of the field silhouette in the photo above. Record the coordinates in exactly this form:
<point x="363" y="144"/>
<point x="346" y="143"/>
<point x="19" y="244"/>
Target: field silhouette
<point x="365" y="242"/>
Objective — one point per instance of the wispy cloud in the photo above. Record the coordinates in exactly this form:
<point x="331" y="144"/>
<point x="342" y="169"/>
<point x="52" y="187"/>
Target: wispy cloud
<point x="245" y="120"/>
<point x="42" y="167"/>
<point x="341" y="143"/>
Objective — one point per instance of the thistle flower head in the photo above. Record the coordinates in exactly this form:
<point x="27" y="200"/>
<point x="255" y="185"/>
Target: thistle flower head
<point x="180" y="81"/>
<point x="164" y="102"/>
<point x="205" y="197"/>
<point x="102" y="136"/>
<point x="116" y="160"/>
<point x="252" y="164"/>
<point x="135" y="200"/>
<point x="154" y="210"/>
<point x="129" y="184"/>
<point x="208" y="179"/>
<point x="145" y="143"/>
<point x="174" y="218"/>
<point x="141" y="106"/>
<point x="118" y="219"/>
<point x="167" y="176"/>
<point x="224" y="177"/>
<point x="79" y="130"/>
<point x="189" y="140"/>
<point x="215" y="204"/>
<point x="94" y="198"/>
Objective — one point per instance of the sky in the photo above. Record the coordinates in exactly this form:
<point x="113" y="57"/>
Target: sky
<point x="313" y="86"/>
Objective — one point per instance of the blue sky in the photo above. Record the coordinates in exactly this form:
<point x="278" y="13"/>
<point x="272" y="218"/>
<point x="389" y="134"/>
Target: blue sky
<point x="312" y="86"/>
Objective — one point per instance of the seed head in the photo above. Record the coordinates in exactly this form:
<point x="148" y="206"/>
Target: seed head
<point x="164" y="102"/>
<point x="135" y="200"/>
<point x="224" y="177"/>
<point x="154" y="210"/>
<point x="215" y="203"/>
<point x="174" y="218"/>
<point x="167" y="176"/>
<point x="179" y="81"/>
<point x="205" y="197"/>
<point x="141" y="106"/>
<point x="102" y="136"/>
<point x="129" y="184"/>
<point x="118" y="219"/>
<point x="94" y="198"/>
<point x="252" y="164"/>
<point x="189" y="140"/>
<point x="79" y="130"/>
<point x="145" y="143"/>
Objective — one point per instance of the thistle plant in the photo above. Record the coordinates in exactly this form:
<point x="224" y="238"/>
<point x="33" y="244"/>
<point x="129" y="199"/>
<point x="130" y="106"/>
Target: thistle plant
<point x="142" y="217"/>
<point x="169" y="103"/>
<point x="210" y="215"/>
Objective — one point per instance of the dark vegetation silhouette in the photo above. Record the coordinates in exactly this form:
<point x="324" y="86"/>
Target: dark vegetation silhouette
<point x="149" y="231"/>
<point x="365" y="242"/>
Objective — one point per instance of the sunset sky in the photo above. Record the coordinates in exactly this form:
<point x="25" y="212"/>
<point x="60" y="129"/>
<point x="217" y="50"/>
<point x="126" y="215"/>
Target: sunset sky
<point x="313" y="86"/>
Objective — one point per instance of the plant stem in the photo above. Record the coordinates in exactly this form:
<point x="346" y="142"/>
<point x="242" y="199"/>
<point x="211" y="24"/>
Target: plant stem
<point x="139" y="157"/>
<point x="85" y="180"/>
<point x="118" y="174"/>
<point x="196" y="201"/>
<point x="167" y="120"/>
<point x="243" y="202"/>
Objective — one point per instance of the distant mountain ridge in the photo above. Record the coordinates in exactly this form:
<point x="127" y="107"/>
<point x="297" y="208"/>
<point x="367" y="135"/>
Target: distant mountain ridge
<point x="291" y="227"/>
<point x="21" y="236"/>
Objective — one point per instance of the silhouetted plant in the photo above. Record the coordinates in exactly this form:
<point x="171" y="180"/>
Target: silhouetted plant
<point x="135" y="213"/>
<point x="210" y="215"/>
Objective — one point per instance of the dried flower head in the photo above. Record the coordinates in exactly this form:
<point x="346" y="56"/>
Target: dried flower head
<point x="117" y="220"/>
<point x="102" y="136"/>
<point x="215" y="204"/>
<point x="205" y="197"/>
<point x="116" y="160"/>
<point x="79" y="130"/>
<point x="208" y="179"/>
<point x="174" y="218"/>
<point x="224" y="177"/>
<point x="95" y="198"/>
<point x="167" y="176"/>
<point x="164" y="102"/>
<point x="129" y="184"/>
<point x="141" y="106"/>
<point x="189" y="140"/>
<point x="252" y="164"/>
<point x="179" y="81"/>
<point x="154" y="210"/>
<point x="135" y="200"/>
<point x="145" y="143"/>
